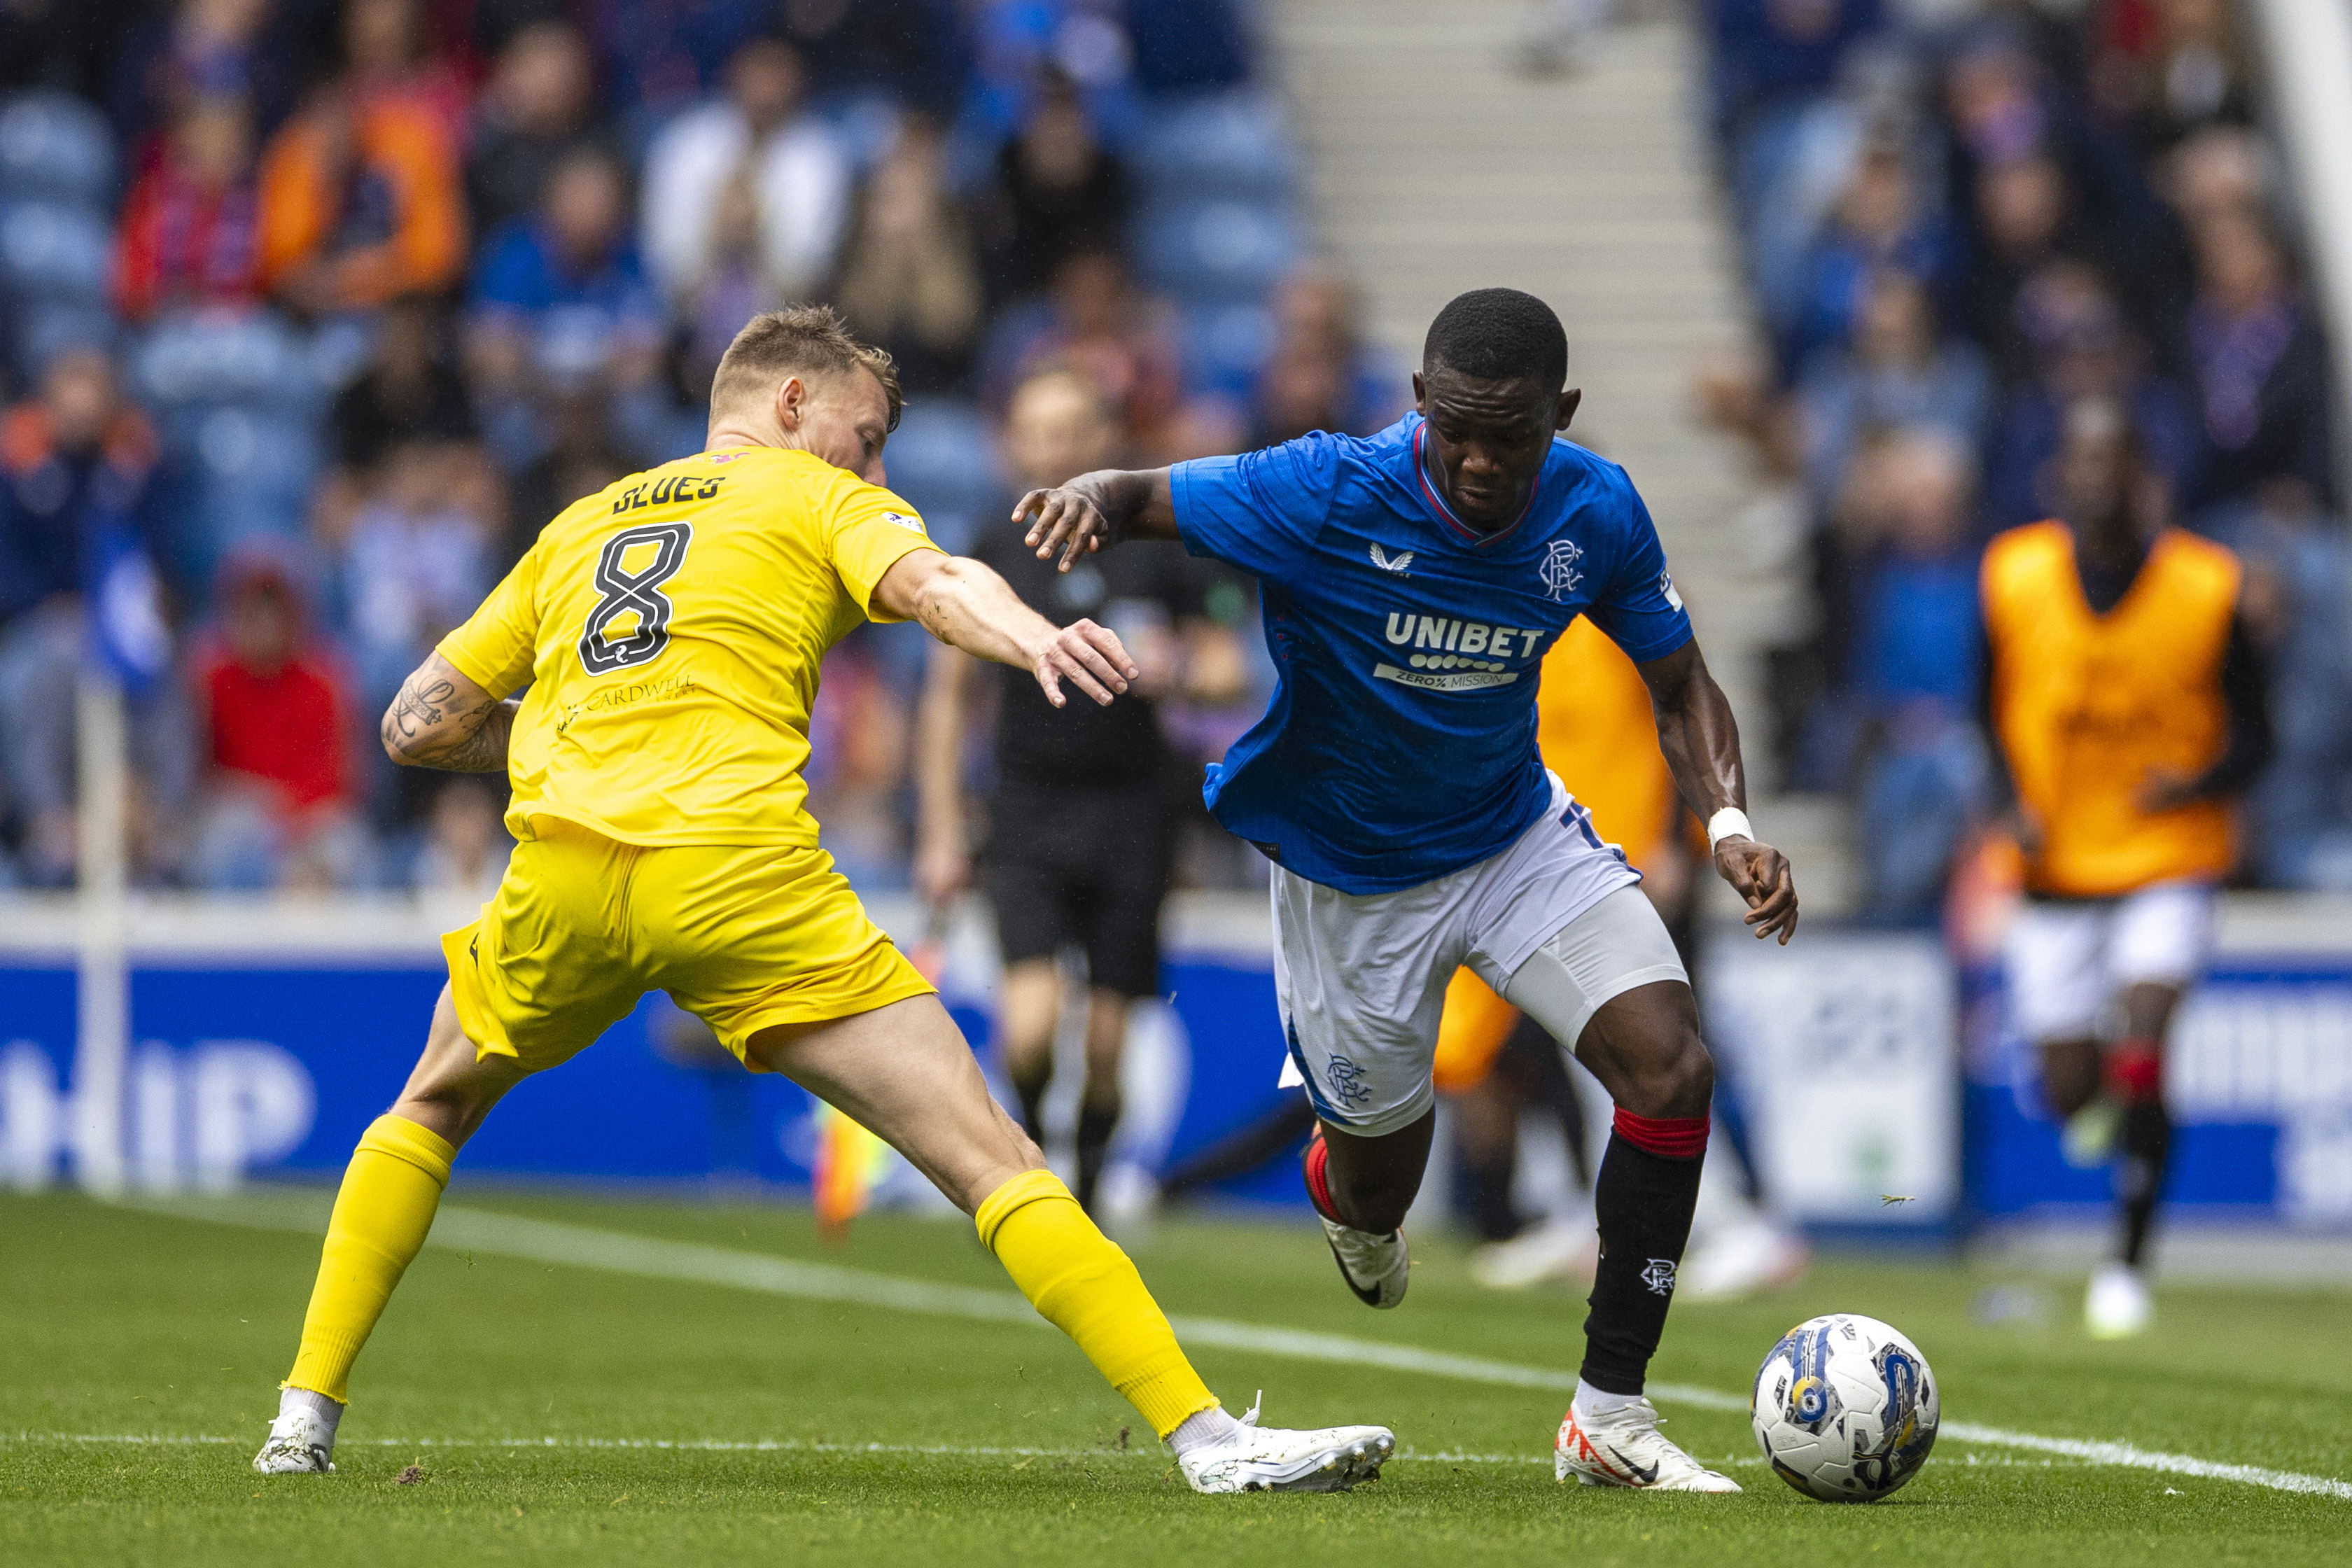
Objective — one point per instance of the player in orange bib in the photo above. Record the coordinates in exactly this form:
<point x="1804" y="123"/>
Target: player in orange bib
<point x="2124" y="693"/>
<point x="669" y="630"/>
<point x="1594" y="726"/>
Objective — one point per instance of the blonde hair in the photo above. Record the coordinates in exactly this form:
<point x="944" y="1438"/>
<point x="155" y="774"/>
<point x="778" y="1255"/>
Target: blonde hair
<point x="808" y="340"/>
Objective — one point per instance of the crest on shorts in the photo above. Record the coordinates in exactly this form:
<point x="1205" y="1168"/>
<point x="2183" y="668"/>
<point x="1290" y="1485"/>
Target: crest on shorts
<point x="1558" y="572"/>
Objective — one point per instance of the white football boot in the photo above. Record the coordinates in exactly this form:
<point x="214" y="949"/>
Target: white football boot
<point x="2119" y="1306"/>
<point x="1557" y="1250"/>
<point x="1625" y="1449"/>
<point x="1742" y="1260"/>
<point x="1255" y="1458"/>
<point x="302" y="1439"/>
<point x="1375" y="1266"/>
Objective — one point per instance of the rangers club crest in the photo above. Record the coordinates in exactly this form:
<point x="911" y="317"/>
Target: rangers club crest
<point x="1558" y="571"/>
<point x="1659" y="1276"/>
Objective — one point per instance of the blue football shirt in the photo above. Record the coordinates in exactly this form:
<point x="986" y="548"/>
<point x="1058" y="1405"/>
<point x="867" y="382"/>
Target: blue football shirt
<point x="1401" y="744"/>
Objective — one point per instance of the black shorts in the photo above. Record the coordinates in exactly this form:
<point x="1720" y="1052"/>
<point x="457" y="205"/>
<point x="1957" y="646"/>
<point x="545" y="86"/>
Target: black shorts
<point x="1088" y="868"/>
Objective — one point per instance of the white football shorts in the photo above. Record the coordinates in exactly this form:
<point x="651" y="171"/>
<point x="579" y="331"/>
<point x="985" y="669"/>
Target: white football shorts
<point x="2069" y="960"/>
<point x="1556" y="924"/>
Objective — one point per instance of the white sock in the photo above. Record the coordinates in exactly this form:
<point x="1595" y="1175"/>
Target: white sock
<point x="1593" y="1404"/>
<point x="1210" y="1426"/>
<point x="290" y="1400"/>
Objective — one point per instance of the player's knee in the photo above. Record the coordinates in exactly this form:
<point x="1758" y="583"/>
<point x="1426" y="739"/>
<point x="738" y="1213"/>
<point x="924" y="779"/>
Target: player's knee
<point x="1679" y="1082"/>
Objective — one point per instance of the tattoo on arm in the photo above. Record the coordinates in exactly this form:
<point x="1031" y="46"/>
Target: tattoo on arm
<point x="425" y="728"/>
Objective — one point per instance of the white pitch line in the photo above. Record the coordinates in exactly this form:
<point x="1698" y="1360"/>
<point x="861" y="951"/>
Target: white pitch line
<point x="724" y="1446"/>
<point x="620" y="1252"/>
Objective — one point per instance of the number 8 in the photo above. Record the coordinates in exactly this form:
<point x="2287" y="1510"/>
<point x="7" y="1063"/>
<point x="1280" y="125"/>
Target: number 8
<point x="640" y="591"/>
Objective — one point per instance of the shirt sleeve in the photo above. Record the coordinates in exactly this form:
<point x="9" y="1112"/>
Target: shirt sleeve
<point x="1640" y="609"/>
<point x="867" y="531"/>
<point x="497" y="645"/>
<point x="1261" y="511"/>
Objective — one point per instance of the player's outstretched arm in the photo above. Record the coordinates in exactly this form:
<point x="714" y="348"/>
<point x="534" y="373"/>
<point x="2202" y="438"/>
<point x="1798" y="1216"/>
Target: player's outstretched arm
<point x="1094" y="509"/>
<point x="442" y="720"/>
<point x="965" y="604"/>
<point x="1701" y="742"/>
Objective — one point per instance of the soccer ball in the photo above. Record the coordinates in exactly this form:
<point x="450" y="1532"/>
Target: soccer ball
<point x="1844" y="1408"/>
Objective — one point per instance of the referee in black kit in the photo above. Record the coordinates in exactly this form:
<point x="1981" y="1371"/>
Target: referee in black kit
<point x="1081" y="829"/>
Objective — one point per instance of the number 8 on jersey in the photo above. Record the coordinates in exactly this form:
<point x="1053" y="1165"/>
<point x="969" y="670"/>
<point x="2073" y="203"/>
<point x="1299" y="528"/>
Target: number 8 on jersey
<point x="637" y="593"/>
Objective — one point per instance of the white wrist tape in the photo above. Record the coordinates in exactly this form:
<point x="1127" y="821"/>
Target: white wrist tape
<point x="1729" y="823"/>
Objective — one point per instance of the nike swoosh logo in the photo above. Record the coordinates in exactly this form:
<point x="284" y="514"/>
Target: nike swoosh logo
<point x="1646" y="1477"/>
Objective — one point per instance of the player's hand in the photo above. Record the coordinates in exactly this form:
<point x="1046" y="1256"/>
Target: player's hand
<point x="1088" y="657"/>
<point x="942" y="869"/>
<point x="1066" y="517"/>
<point x="2164" y="789"/>
<point x="1760" y="874"/>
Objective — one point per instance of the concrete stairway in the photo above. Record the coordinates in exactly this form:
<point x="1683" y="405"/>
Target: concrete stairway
<point x="1434" y="167"/>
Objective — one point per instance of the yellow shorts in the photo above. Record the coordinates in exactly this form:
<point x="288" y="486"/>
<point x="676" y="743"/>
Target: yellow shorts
<point x="742" y="937"/>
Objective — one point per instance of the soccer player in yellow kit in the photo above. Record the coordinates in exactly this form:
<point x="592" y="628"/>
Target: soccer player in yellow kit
<point x="670" y="630"/>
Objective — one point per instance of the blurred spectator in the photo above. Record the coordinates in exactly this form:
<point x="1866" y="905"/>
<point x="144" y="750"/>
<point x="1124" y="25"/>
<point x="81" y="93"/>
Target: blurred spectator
<point x="659" y="56"/>
<point x="2260" y="365"/>
<point x="1916" y="663"/>
<point x="204" y="49"/>
<point x="1773" y="55"/>
<point x="189" y="236"/>
<point x="579" y="462"/>
<point x="411" y="390"/>
<point x="76" y="464"/>
<point x="360" y="202"/>
<point x="1119" y="338"/>
<point x="277" y="807"/>
<point x="1318" y="375"/>
<point x="2172" y="66"/>
<point x="64" y="45"/>
<point x="383" y="44"/>
<point x="540" y="100"/>
<point x="798" y="175"/>
<point x="2298" y="586"/>
<point x="909" y="279"/>
<point x="2022" y="224"/>
<point x="413" y="567"/>
<point x="463" y="850"/>
<point x="2081" y="348"/>
<point x="1882" y="222"/>
<point x="733" y="289"/>
<point x="78" y="459"/>
<point x="561" y="305"/>
<point x="1896" y="374"/>
<point x="1058" y="192"/>
<point x="918" y="50"/>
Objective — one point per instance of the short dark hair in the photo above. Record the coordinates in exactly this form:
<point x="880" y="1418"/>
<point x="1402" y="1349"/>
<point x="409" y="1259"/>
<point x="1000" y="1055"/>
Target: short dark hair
<point x="804" y="340"/>
<point x="1498" y="334"/>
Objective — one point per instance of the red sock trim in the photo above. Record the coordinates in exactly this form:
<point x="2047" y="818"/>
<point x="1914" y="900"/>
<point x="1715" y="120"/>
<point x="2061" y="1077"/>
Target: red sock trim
<point x="1318" y="1179"/>
<point x="1668" y="1136"/>
<point x="2135" y="1072"/>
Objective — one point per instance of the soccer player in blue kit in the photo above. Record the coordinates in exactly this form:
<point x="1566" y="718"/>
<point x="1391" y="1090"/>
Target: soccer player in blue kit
<point x="1412" y="582"/>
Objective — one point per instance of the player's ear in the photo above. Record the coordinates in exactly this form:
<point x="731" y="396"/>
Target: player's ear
<point x="1568" y="402"/>
<point x="792" y="400"/>
<point x="1420" y="395"/>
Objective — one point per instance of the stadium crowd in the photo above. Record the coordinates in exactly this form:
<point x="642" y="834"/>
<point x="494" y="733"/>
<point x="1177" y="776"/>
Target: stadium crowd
<point x="329" y="305"/>
<point x="1957" y="219"/>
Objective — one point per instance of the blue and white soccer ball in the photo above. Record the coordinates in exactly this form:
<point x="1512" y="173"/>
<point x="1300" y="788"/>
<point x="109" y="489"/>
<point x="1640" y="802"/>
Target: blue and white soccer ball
<point x="1846" y="1408"/>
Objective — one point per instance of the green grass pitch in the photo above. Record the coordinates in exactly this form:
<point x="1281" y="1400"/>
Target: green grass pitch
<point x="118" y="1322"/>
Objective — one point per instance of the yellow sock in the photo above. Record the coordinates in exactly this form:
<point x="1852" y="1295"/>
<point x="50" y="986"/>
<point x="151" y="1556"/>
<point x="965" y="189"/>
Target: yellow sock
<point x="389" y="1190"/>
<point x="1084" y="1285"/>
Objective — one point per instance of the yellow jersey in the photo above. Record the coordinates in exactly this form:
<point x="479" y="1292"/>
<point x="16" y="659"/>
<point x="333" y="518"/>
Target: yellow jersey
<point x="1595" y="729"/>
<point x="2086" y="705"/>
<point x="671" y="627"/>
